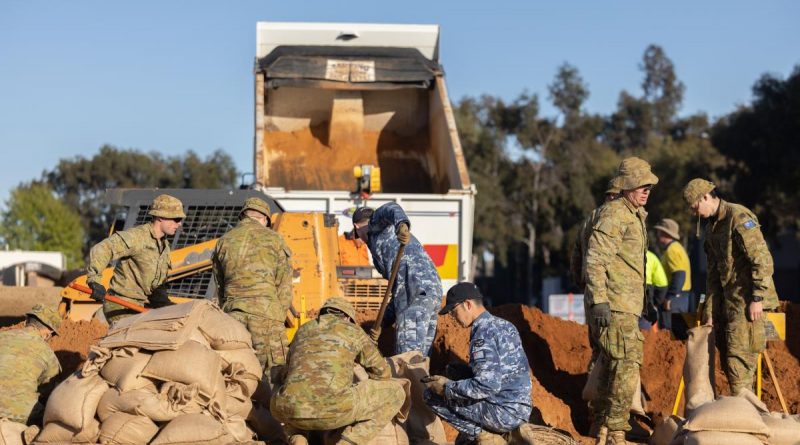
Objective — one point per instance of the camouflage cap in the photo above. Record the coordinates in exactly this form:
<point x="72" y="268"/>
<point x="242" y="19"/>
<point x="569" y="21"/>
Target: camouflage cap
<point x="696" y="189"/>
<point x="341" y="305"/>
<point x="670" y="227"/>
<point x="362" y="213"/>
<point x="48" y="316"/>
<point x="633" y="173"/>
<point x="257" y="204"/>
<point x="165" y="206"/>
<point x="612" y="190"/>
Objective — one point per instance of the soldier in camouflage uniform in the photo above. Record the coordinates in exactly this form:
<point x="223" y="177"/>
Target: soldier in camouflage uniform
<point x="418" y="288"/>
<point x="318" y="393"/>
<point x="143" y="263"/>
<point x="26" y="363"/>
<point x="252" y="266"/>
<point x="496" y="398"/>
<point x="739" y="284"/>
<point x="615" y="284"/>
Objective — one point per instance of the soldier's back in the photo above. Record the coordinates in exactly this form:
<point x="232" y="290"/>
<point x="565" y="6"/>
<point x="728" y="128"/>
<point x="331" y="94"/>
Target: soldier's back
<point x="26" y="362"/>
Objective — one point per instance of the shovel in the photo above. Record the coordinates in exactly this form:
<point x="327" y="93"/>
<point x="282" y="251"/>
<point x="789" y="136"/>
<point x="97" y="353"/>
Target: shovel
<point x="111" y="298"/>
<point x="375" y="332"/>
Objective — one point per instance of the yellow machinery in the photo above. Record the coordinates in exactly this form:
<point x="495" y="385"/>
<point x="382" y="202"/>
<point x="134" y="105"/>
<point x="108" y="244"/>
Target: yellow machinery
<point x="312" y="237"/>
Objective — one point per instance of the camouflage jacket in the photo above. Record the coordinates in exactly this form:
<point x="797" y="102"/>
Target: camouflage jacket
<point x="577" y="266"/>
<point x="142" y="267"/>
<point x="319" y="380"/>
<point x="500" y="374"/>
<point x="252" y="266"/>
<point x="26" y="362"/>
<point x="417" y="276"/>
<point x="615" y="257"/>
<point x="739" y="264"/>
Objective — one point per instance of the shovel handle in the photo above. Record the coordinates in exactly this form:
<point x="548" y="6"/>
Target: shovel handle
<point x="112" y="298"/>
<point x="375" y="332"/>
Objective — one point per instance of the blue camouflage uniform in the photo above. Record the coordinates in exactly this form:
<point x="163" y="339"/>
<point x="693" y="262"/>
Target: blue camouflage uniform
<point x="418" y="288"/>
<point x="498" y="396"/>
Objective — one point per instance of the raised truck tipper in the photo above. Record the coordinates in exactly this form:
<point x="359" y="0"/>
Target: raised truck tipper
<point x="345" y="115"/>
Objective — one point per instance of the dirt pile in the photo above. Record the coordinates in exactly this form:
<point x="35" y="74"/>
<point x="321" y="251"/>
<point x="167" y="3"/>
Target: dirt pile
<point x="72" y="344"/>
<point x="558" y="352"/>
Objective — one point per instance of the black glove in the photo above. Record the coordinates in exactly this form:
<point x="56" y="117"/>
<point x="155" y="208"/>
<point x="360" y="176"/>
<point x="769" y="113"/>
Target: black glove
<point x="403" y="235"/>
<point x="98" y="292"/>
<point x="650" y="311"/>
<point x="601" y="313"/>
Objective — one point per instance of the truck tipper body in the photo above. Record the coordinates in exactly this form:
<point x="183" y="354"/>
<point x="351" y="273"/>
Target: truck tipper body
<point x="331" y="97"/>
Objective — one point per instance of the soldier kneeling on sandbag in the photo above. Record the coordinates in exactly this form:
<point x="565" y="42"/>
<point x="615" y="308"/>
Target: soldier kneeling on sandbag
<point x="318" y="393"/>
<point x="26" y="363"/>
<point x="490" y="402"/>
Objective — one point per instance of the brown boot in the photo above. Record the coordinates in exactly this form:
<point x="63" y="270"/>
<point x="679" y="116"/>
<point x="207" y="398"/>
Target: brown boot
<point x="602" y="436"/>
<point x="488" y="438"/>
<point x="617" y="438"/>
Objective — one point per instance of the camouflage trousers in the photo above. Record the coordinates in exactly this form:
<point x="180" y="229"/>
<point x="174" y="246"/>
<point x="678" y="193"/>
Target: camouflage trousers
<point x="374" y="404"/>
<point x="740" y="342"/>
<point x="622" y="344"/>
<point x="472" y="418"/>
<point x="416" y="325"/>
<point x="269" y="339"/>
<point x="115" y="312"/>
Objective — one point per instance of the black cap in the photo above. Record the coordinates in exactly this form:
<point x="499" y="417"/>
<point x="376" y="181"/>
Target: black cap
<point x="362" y="213"/>
<point x="460" y="293"/>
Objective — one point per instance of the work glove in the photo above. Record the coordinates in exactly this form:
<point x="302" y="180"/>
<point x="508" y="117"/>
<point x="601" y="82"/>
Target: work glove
<point x="403" y="234"/>
<point x="601" y="313"/>
<point x="98" y="292"/>
<point x="436" y="383"/>
<point x="650" y="312"/>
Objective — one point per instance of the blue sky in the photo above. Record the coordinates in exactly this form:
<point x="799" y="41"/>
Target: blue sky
<point x="170" y="76"/>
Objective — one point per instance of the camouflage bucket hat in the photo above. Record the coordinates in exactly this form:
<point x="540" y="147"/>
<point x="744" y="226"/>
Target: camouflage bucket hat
<point x="670" y="227"/>
<point x="633" y="173"/>
<point x="257" y="204"/>
<point x="48" y="316"/>
<point x="341" y="305"/>
<point x="165" y="206"/>
<point x="696" y="189"/>
<point x="612" y="190"/>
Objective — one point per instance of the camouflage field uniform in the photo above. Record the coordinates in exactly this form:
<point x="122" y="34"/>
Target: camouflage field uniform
<point x="418" y="288"/>
<point x="26" y="363"/>
<point x="252" y="266"/>
<point x="318" y="393"/>
<point x="739" y="267"/>
<point x="498" y="396"/>
<point x="615" y="274"/>
<point x="141" y="272"/>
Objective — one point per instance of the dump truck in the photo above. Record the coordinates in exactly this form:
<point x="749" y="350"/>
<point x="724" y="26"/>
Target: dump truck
<point x="331" y="98"/>
<point x="346" y="115"/>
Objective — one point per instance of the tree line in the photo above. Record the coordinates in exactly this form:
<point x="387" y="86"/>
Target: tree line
<point x="538" y="175"/>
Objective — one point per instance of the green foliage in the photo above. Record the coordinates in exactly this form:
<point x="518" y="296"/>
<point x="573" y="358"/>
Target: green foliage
<point x="81" y="182"/>
<point x="35" y="219"/>
<point x="762" y="140"/>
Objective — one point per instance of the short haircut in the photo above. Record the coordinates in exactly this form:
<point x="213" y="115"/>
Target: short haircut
<point x="36" y="323"/>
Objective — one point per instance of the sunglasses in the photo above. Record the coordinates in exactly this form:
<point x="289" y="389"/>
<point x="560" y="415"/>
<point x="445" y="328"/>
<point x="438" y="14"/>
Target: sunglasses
<point x="175" y="220"/>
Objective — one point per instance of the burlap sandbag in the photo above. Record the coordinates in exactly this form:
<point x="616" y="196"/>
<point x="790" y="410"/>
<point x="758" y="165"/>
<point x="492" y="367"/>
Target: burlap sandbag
<point x="591" y="388"/>
<point x="730" y="414"/>
<point x="238" y="406"/>
<point x="784" y="429"/>
<point x="665" y="431"/>
<point x="422" y="423"/>
<point x="98" y="357"/>
<point x="751" y="397"/>
<point x="243" y="366"/>
<point x="721" y="438"/>
<point x="392" y="434"/>
<point x="127" y="429"/>
<point x="114" y="401"/>
<point x="124" y="369"/>
<point x="165" y="328"/>
<point x="74" y="402"/>
<point x="55" y="432"/>
<point x="191" y="363"/>
<point x="198" y="429"/>
<point x="224" y="332"/>
<point x="698" y="367"/>
<point x="238" y="429"/>
<point x="11" y="432"/>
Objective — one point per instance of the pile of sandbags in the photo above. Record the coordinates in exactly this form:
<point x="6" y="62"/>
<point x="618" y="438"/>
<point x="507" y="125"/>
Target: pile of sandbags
<point x="698" y="367"/>
<point x="734" y="420"/>
<point x="181" y="374"/>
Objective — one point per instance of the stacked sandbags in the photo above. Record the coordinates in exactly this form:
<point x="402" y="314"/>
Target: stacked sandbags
<point x="181" y="374"/>
<point x="698" y="367"/>
<point x="784" y="429"/>
<point x="15" y="433"/>
<point x="727" y="420"/>
<point x="421" y="423"/>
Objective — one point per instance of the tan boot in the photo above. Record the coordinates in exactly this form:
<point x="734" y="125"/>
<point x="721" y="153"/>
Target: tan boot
<point x="617" y="438"/>
<point x="489" y="438"/>
<point x="602" y="435"/>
